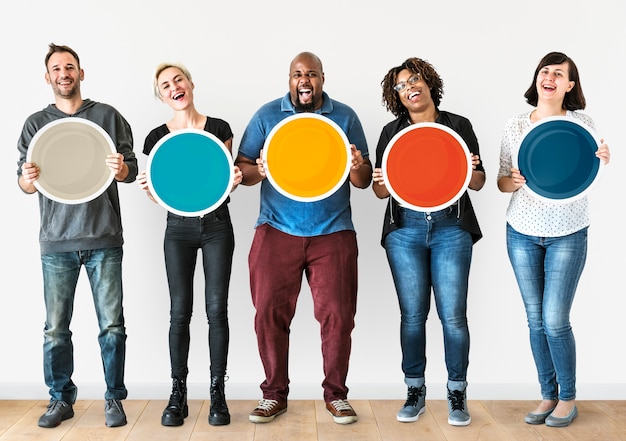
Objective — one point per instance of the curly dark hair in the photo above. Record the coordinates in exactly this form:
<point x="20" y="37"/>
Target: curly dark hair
<point x="391" y="98"/>
<point x="574" y="99"/>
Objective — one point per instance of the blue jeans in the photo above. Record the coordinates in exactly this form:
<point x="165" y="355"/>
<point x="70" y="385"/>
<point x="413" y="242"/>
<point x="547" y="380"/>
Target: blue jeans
<point x="547" y="270"/>
<point x="213" y="236"/>
<point x="431" y="251"/>
<point x="60" y="276"/>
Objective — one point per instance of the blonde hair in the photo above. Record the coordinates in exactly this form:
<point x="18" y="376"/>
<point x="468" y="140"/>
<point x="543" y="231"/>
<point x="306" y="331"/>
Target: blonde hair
<point x="160" y="68"/>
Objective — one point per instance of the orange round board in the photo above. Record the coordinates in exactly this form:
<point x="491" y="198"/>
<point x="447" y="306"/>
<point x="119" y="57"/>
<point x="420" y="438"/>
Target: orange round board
<point x="307" y="157"/>
<point x="427" y="166"/>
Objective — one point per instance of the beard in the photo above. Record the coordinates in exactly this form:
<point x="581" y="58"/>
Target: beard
<point x="67" y="93"/>
<point x="304" y="107"/>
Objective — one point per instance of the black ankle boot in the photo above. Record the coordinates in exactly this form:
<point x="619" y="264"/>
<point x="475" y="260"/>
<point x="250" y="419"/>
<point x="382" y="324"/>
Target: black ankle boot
<point x="176" y="411"/>
<point x="218" y="414"/>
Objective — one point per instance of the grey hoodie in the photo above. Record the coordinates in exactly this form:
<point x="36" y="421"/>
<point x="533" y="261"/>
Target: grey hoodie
<point x="90" y="225"/>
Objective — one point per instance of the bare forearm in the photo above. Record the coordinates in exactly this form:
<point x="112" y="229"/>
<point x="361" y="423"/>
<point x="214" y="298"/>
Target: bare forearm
<point x="362" y="176"/>
<point x="250" y="171"/>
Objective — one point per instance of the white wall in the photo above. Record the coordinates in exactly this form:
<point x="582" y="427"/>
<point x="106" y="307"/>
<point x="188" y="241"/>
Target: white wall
<point x="239" y="52"/>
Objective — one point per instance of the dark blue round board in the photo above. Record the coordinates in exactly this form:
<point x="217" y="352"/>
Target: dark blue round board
<point x="557" y="158"/>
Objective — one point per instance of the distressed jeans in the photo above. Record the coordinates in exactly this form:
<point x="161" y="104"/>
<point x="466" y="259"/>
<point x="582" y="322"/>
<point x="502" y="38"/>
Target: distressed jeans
<point x="60" y="277"/>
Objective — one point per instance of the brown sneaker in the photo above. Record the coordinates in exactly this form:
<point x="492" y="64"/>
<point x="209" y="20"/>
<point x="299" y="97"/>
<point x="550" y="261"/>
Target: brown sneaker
<point x="341" y="411"/>
<point x="267" y="410"/>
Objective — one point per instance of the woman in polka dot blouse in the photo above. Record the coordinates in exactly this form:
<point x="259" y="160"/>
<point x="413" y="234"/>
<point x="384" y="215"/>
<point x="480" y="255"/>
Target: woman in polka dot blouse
<point x="547" y="242"/>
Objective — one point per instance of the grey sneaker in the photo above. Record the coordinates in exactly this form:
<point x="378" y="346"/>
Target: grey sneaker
<point x="57" y="411"/>
<point x="414" y="406"/>
<point x="114" y="413"/>
<point x="457" y="408"/>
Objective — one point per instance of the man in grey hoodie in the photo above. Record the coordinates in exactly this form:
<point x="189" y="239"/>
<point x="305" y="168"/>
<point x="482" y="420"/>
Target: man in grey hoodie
<point x="85" y="234"/>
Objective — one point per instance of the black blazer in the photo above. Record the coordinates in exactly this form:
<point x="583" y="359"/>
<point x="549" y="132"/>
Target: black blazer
<point x="463" y="127"/>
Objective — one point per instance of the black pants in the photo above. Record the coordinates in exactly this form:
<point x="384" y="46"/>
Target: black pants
<point x="184" y="236"/>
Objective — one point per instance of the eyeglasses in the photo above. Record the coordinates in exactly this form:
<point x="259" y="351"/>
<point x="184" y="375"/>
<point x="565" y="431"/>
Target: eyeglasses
<point x="412" y="80"/>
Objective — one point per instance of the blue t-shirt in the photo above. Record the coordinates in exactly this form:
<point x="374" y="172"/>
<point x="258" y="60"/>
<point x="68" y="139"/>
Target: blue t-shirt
<point x="297" y="218"/>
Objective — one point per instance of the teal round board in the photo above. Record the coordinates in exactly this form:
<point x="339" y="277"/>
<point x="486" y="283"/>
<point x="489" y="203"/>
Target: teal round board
<point x="190" y="172"/>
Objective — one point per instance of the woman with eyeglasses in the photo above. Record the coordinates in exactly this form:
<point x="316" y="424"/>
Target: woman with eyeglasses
<point x="547" y="242"/>
<point x="428" y="251"/>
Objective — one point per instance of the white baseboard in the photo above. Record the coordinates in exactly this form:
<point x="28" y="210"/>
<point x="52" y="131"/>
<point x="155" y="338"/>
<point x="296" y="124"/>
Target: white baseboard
<point x="301" y="391"/>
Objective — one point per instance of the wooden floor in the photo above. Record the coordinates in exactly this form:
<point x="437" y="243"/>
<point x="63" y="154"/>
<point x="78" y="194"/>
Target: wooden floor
<point x="308" y="421"/>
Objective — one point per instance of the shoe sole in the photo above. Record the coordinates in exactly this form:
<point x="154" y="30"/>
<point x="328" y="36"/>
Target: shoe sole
<point x="172" y="422"/>
<point x="267" y="419"/>
<point x="349" y="419"/>
<point x="459" y="423"/>
<point x="534" y="421"/>
<point x="411" y="419"/>
<point x="219" y="421"/>
<point x="345" y="420"/>
<point x="563" y="424"/>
